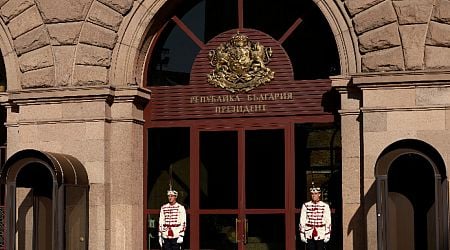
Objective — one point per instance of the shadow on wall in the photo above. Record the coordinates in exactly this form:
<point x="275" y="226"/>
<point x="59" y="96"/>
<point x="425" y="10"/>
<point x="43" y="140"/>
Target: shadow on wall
<point x="24" y="222"/>
<point x="358" y="223"/>
<point x="2" y="74"/>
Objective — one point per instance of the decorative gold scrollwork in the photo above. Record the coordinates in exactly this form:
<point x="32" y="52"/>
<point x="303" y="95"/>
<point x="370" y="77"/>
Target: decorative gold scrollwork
<point x="240" y="65"/>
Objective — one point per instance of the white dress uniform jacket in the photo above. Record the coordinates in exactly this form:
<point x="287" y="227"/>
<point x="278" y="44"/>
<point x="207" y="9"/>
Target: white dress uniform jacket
<point x="172" y="221"/>
<point x="315" y="221"/>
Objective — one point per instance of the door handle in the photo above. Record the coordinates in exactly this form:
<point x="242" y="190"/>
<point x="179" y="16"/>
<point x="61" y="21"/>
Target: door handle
<point x="236" y="224"/>
<point x="246" y="231"/>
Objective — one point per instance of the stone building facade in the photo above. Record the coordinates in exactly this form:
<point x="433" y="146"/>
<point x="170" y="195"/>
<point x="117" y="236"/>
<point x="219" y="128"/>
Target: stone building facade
<point x="75" y="85"/>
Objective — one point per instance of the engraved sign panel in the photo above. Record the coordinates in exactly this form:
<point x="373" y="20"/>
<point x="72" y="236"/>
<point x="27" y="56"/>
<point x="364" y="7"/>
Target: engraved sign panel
<point x="208" y="102"/>
<point x="243" y="73"/>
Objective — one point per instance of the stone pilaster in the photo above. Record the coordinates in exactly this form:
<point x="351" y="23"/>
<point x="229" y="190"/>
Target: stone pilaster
<point x="126" y="171"/>
<point x="353" y="209"/>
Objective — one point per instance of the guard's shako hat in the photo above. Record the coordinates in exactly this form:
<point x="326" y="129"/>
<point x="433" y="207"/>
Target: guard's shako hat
<point x="314" y="189"/>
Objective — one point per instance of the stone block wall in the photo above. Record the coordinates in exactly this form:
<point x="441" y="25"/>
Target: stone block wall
<point x="64" y="42"/>
<point x="397" y="35"/>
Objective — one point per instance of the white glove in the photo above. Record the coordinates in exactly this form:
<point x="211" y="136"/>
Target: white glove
<point x="326" y="239"/>
<point x="160" y="241"/>
<point x="303" y="238"/>
<point x="180" y="240"/>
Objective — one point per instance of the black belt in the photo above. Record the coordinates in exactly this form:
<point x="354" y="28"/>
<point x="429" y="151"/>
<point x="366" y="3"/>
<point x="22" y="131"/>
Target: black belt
<point x="173" y="225"/>
<point x="311" y="225"/>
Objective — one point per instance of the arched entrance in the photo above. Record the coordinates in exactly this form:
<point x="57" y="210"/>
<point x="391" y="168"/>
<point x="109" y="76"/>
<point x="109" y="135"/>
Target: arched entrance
<point x="46" y="201"/>
<point x="412" y="197"/>
<point x="241" y="120"/>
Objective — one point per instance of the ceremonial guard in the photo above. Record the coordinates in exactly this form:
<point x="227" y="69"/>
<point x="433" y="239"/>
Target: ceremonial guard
<point x="315" y="222"/>
<point x="172" y="223"/>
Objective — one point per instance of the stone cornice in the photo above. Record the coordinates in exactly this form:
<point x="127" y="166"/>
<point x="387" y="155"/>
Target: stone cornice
<point x="77" y="94"/>
<point x="401" y="109"/>
<point x="139" y="96"/>
<point x="401" y="79"/>
<point x="3" y="97"/>
<point x="72" y="121"/>
<point x="59" y="95"/>
<point x="397" y="79"/>
<point x="340" y="82"/>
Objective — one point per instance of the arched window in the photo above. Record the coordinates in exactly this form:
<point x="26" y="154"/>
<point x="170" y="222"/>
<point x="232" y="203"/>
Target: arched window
<point x="298" y="25"/>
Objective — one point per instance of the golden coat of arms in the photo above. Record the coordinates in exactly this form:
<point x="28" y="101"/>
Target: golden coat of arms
<point x="240" y="65"/>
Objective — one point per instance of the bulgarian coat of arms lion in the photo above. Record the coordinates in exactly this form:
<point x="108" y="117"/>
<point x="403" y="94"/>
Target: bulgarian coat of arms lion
<point x="240" y="65"/>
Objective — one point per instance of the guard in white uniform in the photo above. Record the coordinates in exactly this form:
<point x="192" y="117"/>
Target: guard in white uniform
<point x="172" y="223"/>
<point x="315" y="222"/>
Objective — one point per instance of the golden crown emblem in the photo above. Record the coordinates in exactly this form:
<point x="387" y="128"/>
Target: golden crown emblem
<point x="239" y="40"/>
<point x="240" y="64"/>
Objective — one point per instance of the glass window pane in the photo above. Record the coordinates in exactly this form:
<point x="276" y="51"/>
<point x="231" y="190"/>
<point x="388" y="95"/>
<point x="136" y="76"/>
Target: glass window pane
<point x="172" y="59"/>
<point x="264" y="168"/>
<point x="174" y="52"/>
<point x="218" y="170"/>
<point x="318" y="160"/>
<point x="311" y="46"/>
<point x="152" y="232"/>
<point x="266" y="232"/>
<point x="76" y="218"/>
<point x="282" y="15"/>
<point x="221" y="15"/>
<point x="168" y="162"/>
<point x="218" y="232"/>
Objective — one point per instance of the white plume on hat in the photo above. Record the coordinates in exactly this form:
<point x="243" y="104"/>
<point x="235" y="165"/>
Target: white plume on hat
<point x="172" y="192"/>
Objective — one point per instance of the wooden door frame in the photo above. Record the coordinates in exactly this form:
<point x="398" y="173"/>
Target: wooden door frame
<point x="440" y="195"/>
<point x="242" y="211"/>
<point x="195" y="126"/>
